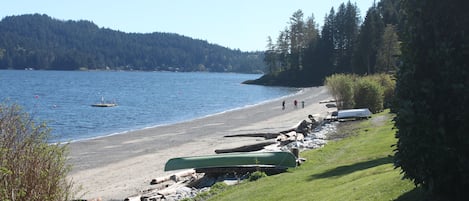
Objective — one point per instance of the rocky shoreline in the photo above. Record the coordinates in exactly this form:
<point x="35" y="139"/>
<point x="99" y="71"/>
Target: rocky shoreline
<point x="189" y="183"/>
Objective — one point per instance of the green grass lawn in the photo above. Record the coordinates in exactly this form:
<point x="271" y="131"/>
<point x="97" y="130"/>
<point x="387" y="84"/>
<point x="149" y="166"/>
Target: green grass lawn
<point x="358" y="167"/>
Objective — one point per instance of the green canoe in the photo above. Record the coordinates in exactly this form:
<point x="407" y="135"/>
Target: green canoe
<point x="273" y="159"/>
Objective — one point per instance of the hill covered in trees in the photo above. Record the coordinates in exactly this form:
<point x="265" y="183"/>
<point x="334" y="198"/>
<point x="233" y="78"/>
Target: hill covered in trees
<point x="42" y="42"/>
<point x="304" y="54"/>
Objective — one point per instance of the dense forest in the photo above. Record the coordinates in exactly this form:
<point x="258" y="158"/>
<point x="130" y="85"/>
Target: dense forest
<point x="42" y="42"/>
<point x="303" y="54"/>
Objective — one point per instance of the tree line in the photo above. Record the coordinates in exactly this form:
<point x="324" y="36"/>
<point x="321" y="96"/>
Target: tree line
<point x="41" y="42"/>
<point x="303" y="54"/>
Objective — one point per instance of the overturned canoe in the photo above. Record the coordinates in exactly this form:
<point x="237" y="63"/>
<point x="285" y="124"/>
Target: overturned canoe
<point x="272" y="159"/>
<point x="362" y="113"/>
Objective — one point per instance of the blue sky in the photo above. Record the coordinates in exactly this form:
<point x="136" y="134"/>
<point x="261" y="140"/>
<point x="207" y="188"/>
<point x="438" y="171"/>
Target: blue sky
<point x="237" y="24"/>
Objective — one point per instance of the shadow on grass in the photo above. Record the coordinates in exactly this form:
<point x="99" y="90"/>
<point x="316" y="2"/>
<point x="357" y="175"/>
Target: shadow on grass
<point x="416" y="194"/>
<point x="347" y="169"/>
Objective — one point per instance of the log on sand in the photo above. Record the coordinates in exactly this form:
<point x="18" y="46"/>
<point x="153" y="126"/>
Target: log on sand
<point x="246" y="148"/>
<point x="175" y="177"/>
<point x="264" y="135"/>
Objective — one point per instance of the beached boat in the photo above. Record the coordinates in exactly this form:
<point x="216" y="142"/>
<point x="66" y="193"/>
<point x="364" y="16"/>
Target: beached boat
<point x="362" y="113"/>
<point x="230" y="160"/>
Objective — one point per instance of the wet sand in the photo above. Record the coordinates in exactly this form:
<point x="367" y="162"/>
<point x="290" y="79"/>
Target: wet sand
<point x="118" y="166"/>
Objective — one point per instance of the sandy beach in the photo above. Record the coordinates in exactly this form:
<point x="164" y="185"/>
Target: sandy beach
<point x="115" y="167"/>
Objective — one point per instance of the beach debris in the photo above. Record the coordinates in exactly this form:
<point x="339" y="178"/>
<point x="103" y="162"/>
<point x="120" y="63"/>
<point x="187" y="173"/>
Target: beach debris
<point x="331" y="105"/>
<point x="328" y="101"/>
<point x="190" y="182"/>
<point x="164" y="187"/>
<point x="290" y="137"/>
<point x="175" y="177"/>
<point x="266" y="136"/>
<point x="246" y="148"/>
<point x="351" y="114"/>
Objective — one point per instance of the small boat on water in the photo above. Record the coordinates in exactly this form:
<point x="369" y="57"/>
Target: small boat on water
<point x="232" y="160"/>
<point x="104" y="104"/>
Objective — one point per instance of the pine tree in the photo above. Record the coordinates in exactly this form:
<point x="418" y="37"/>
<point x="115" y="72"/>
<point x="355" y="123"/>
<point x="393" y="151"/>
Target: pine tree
<point x="270" y="56"/>
<point x="388" y="51"/>
<point x="364" y="59"/>
<point x="432" y="94"/>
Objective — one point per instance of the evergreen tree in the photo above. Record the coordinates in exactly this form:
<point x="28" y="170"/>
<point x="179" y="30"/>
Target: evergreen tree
<point x="432" y="93"/>
<point x="326" y="43"/>
<point x="270" y="58"/>
<point x="347" y="22"/>
<point x="312" y="61"/>
<point x="283" y="47"/>
<point x="311" y="32"/>
<point x="296" y="39"/>
<point x="388" y="51"/>
<point x="389" y="10"/>
<point x="364" y="59"/>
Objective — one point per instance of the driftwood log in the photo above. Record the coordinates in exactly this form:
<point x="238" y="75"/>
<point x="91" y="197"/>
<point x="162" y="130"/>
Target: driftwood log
<point x="164" y="186"/>
<point x="246" y="148"/>
<point x="240" y="170"/>
<point x="264" y="135"/>
<point x="267" y="136"/>
<point x="175" y="177"/>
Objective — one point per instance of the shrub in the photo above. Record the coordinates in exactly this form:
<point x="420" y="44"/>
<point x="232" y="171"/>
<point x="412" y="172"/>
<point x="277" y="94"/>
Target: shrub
<point x="341" y="88"/>
<point x="388" y="83"/>
<point x="30" y="168"/>
<point x="257" y="175"/>
<point x="369" y="94"/>
<point x="215" y="189"/>
<point x="351" y="91"/>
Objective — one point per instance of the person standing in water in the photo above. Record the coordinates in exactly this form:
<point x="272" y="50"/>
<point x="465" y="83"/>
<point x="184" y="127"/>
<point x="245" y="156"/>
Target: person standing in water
<point x="283" y="105"/>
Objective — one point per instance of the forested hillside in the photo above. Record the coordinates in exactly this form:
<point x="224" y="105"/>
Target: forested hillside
<point x="41" y="42"/>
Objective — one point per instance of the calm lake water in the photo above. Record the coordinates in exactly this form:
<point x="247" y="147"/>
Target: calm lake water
<point x="145" y="99"/>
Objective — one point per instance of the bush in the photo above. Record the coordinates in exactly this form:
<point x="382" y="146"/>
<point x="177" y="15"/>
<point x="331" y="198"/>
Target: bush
<point x="388" y="83"/>
<point x="30" y="168"/>
<point x="216" y="189"/>
<point x="257" y="175"/>
<point x="369" y="94"/>
<point x="351" y="91"/>
<point x="341" y="88"/>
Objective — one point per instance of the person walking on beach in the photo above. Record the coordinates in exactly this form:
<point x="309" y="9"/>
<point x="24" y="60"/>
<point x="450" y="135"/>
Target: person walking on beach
<point x="295" y="102"/>
<point x="283" y="105"/>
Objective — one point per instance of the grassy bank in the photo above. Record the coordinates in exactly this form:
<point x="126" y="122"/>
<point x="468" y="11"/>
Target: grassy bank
<point x="358" y="167"/>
